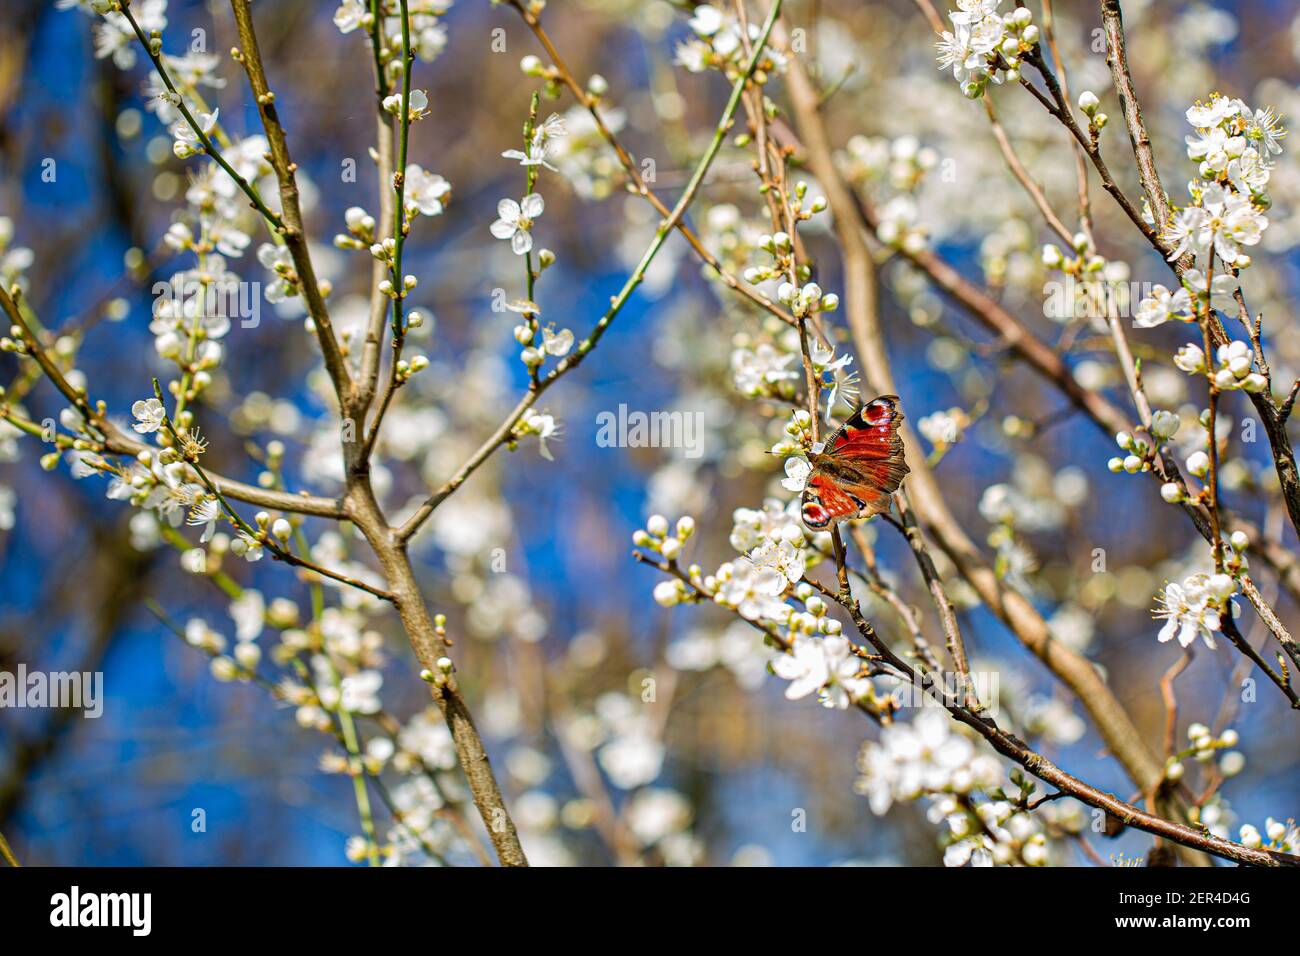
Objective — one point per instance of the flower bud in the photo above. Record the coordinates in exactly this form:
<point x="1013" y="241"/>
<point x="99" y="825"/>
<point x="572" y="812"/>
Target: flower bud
<point x="1232" y="763"/>
<point x="667" y="593"/>
<point x="1164" y="425"/>
<point x="248" y="655"/>
<point x="1222" y="586"/>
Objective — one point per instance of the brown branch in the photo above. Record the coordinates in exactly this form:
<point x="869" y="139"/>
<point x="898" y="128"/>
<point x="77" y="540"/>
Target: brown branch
<point x="1012" y="747"/>
<point x="1112" y="20"/>
<point x="1018" y="170"/>
<point x="294" y="237"/>
<point x="7" y="854"/>
<point x="1075" y="671"/>
<point x="1056" y="103"/>
<point x="671" y="221"/>
<point x="639" y="186"/>
<point x="372" y="349"/>
<point x="116" y="442"/>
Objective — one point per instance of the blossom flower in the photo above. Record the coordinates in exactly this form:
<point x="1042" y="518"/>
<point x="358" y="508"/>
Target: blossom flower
<point x="1249" y="173"/>
<point x="249" y="614"/>
<point x="797" y="471"/>
<point x="1214" y="113"/>
<point x="424" y="192"/>
<point x="927" y="755"/>
<point x="13" y="261"/>
<point x="359" y="693"/>
<point x="115" y="38"/>
<point x="428" y="738"/>
<point x="707" y="20"/>
<point x="349" y="15"/>
<point x="515" y="221"/>
<point x="187" y="138"/>
<point x="1190" y="359"/>
<point x="543" y="426"/>
<point x="773" y="522"/>
<point x="942" y="429"/>
<point x="1211" y="148"/>
<point x="1284" y="837"/>
<point x="1264" y="127"/>
<point x="753" y="591"/>
<point x="419" y="105"/>
<point x="656" y="813"/>
<point x="535" y="156"/>
<point x="206" y="511"/>
<point x="984" y="46"/>
<point x="1192" y="609"/>
<point x="755" y="371"/>
<point x="632" y="760"/>
<point x="246" y="547"/>
<point x="1222" y="288"/>
<point x="556" y="343"/>
<point x="150" y="414"/>
<point x="1000" y="833"/>
<point x="806" y="667"/>
<point x="279" y="260"/>
<point x="1161" y="306"/>
<point x="844" y="390"/>
<point x="898" y="224"/>
<point x="782" y="556"/>
<point x="967" y="49"/>
<point x="247" y="157"/>
<point x="541" y="144"/>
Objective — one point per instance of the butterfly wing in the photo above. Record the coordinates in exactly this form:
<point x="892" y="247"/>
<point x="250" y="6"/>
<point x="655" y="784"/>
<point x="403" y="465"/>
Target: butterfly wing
<point x="826" y="501"/>
<point x="869" y="444"/>
<point x="860" y="467"/>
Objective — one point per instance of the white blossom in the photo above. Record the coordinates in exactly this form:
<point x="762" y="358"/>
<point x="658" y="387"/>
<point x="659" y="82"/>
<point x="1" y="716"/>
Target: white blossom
<point x="515" y="221"/>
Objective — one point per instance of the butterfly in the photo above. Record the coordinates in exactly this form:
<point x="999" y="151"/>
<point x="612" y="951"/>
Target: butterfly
<point x="858" y="469"/>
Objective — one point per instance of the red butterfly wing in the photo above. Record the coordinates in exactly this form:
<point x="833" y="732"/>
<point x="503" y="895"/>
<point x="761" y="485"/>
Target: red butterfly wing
<point x="825" y="501"/>
<point x="864" y="466"/>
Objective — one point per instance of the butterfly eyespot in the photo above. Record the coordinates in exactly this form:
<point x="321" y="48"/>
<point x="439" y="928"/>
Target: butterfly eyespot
<point x="815" y="516"/>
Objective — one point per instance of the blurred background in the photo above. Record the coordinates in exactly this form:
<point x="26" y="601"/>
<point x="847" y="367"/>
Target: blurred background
<point x="554" y="624"/>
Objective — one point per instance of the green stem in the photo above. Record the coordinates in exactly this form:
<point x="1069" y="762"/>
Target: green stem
<point x="205" y="141"/>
